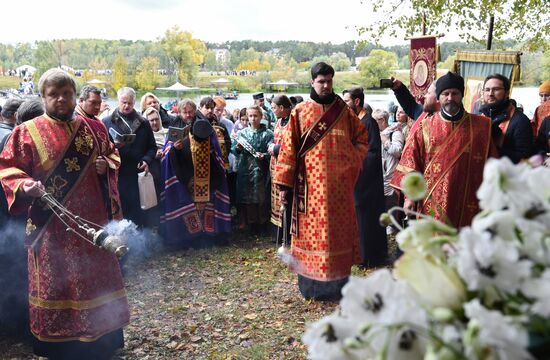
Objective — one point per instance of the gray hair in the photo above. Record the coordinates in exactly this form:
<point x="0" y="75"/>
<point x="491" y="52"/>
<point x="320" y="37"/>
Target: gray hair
<point x="55" y="77"/>
<point x="380" y="113"/>
<point x="87" y="90"/>
<point x="29" y="110"/>
<point x="128" y="91"/>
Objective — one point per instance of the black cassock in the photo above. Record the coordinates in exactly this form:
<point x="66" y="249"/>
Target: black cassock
<point x="369" y="201"/>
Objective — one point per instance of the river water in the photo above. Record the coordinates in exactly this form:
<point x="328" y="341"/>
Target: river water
<point x="526" y="96"/>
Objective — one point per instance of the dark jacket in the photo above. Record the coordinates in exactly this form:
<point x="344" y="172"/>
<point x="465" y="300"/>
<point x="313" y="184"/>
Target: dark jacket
<point x="408" y="102"/>
<point x="518" y="139"/>
<point x="166" y="118"/>
<point x="143" y="148"/>
<point x="5" y="131"/>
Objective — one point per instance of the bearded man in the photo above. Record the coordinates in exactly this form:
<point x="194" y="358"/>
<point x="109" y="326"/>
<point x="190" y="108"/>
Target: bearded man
<point x="320" y="158"/>
<point x="77" y="300"/>
<point x="449" y="148"/>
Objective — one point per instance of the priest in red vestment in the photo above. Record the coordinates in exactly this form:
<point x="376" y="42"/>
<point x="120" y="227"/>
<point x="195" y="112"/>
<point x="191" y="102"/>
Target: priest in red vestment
<point x="77" y="299"/>
<point x="449" y="148"/>
<point x="322" y="150"/>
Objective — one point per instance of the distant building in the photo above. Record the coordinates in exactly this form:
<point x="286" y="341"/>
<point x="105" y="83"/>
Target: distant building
<point x="222" y="55"/>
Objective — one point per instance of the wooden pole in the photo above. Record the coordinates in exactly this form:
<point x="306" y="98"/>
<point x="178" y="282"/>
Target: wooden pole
<point x="423" y="23"/>
<point x="490" y="34"/>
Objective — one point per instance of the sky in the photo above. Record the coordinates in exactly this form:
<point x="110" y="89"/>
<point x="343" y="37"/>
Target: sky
<point x="212" y="21"/>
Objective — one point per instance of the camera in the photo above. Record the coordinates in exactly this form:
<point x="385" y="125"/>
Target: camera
<point x="386" y="83"/>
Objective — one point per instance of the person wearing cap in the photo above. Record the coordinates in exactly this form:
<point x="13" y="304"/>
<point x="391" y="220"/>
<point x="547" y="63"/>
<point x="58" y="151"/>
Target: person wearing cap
<point x="369" y="188"/>
<point x="269" y="118"/>
<point x="543" y="110"/>
<point x="8" y="119"/>
<point x="321" y="154"/>
<point x="512" y="130"/>
<point x="195" y="206"/>
<point x="449" y="148"/>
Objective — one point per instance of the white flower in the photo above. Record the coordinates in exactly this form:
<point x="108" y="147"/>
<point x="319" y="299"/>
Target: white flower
<point x="504" y="336"/>
<point x="538" y="181"/>
<point x="500" y="223"/>
<point x="483" y="261"/>
<point x="420" y="234"/>
<point x="504" y="186"/>
<point x="437" y="285"/>
<point x="535" y="240"/>
<point x="378" y="302"/>
<point x="414" y="186"/>
<point x="326" y="339"/>
<point x="539" y="289"/>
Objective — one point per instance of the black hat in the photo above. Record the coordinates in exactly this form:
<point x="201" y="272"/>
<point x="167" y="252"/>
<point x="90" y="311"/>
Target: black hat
<point x="10" y="107"/>
<point x="449" y="81"/>
<point x="202" y="129"/>
<point x="258" y="96"/>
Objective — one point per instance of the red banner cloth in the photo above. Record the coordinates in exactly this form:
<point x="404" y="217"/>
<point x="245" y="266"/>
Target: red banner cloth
<point x="422" y="56"/>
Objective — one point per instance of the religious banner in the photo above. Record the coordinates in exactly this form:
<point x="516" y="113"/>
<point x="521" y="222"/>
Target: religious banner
<point x="423" y="58"/>
<point x="475" y="65"/>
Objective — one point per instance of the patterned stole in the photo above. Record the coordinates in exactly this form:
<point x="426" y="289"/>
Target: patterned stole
<point x="200" y="151"/>
<point x="465" y="138"/>
<point x="62" y="179"/>
<point x="311" y="138"/>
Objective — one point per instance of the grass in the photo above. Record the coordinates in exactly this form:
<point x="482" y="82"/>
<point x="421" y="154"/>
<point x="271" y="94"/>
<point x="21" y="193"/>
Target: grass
<point x="234" y="302"/>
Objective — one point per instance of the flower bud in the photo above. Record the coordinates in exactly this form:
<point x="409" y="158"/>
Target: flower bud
<point x="442" y="314"/>
<point x="414" y="186"/>
<point x="385" y="219"/>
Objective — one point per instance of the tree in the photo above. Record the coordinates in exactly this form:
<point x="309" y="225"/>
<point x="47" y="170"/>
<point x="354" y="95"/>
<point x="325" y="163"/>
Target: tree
<point x="185" y="52"/>
<point x="523" y="20"/>
<point x="253" y="65"/>
<point x="147" y="76"/>
<point x="378" y="65"/>
<point x="210" y="62"/>
<point x="120" y="69"/>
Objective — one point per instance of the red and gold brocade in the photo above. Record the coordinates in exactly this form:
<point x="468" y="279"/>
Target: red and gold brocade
<point x="541" y="112"/>
<point x="76" y="290"/>
<point x="451" y="156"/>
<point x="327" y="243"/>
<point x="275" y="202"/>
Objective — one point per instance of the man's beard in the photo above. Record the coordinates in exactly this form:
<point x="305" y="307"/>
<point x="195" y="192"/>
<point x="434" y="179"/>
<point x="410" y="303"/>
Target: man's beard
<point x="451" y="108"/>
<point x="430" y="108"/>
<point x="61" y="117"/>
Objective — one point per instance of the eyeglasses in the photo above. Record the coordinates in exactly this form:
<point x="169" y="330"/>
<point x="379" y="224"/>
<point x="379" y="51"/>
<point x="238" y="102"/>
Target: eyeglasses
<point x="495" y="89"/>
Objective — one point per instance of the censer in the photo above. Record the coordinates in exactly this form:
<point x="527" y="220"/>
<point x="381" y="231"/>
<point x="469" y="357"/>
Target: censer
<point x="283" y="252"/>
<point x="88" y="231"/>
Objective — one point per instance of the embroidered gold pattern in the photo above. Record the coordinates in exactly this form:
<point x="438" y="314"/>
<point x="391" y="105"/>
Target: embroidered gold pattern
<point x="84" y="142"/>
<point x="72" y="164"/>
<point x="56" y="185"/>
<point x="30" y="227"/>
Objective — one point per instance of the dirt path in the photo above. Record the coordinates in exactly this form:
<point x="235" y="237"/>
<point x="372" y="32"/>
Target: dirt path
<point x="234" y="302"/>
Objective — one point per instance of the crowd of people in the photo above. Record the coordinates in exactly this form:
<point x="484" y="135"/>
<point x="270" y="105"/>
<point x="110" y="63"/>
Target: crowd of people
<point x="316" y="175"/>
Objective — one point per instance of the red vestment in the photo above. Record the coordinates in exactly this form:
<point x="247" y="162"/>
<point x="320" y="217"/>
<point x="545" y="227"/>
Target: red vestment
<point x="541" y="112"/>
<point x="278" y="132"/>
<point x="451" y="156"/>
<point x="76" y="290"/>
<point x="327" y="241"/>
